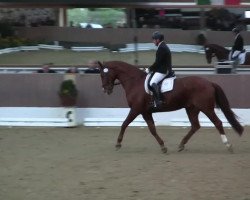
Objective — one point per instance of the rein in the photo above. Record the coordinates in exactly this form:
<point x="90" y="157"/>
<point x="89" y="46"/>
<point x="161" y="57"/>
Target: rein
<point x="130" y="78"/>
<point x="119" y="83"/>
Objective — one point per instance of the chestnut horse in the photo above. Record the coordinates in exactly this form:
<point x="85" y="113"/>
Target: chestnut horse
<point x="193" y="93"/>
<point x="221" y="53"/>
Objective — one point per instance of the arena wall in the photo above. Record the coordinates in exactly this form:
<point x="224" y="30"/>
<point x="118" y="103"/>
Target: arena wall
<point x="32" y="100"/>
<point x="120" y="36"/>
<point x="41" y="90"/>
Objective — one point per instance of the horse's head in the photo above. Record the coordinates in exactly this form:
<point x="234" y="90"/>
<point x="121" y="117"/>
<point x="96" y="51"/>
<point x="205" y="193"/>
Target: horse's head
<point x="209" y="53"/>
<point x="108" y="78"/>
<point x="214" y="50"/>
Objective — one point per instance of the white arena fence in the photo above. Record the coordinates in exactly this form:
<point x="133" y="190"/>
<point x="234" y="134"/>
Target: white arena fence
<point x="131" y="47"/>
<point x="101" y="117"/>
<point x="70" y="117"/>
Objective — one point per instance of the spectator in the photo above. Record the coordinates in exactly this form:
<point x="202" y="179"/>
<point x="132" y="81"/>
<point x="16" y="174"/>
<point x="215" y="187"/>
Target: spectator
<point x="46" y="68"/>
<point x="71" y="24"/>
<point x="88" y="25"/>
<point x="72" y="70"/>
<point x="93" y="69"/>
<point x="141" y="22"/>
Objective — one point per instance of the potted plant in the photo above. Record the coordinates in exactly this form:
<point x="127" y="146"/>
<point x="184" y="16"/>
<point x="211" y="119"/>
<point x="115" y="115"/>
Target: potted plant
<point x="68" y="93"/>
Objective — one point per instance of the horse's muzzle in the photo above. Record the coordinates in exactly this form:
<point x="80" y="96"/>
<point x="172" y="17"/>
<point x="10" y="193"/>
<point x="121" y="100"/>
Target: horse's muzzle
<point x="108" y="90"/>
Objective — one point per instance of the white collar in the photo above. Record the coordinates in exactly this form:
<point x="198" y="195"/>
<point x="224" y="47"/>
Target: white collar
<point x="159" y="44"/>
<point x="237" y="35"/>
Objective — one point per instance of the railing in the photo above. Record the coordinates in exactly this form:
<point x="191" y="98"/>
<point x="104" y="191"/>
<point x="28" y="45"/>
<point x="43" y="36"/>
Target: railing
<point x="203" y="69"/>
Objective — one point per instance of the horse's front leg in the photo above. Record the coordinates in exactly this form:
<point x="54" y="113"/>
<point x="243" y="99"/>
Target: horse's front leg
<point x="151" y="125"/>
<point x="131" y="116"/>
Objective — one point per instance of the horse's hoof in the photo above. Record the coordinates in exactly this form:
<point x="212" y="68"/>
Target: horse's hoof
<point x="230" y="148"/>
<point x="118" y="146"/>
<point x="164" y="149"/>
<point x="181" y="147"/>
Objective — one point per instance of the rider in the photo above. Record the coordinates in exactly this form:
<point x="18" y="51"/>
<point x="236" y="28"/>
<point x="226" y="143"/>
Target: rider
<point x="161" y="68"/>
<point x="238" y="44"/>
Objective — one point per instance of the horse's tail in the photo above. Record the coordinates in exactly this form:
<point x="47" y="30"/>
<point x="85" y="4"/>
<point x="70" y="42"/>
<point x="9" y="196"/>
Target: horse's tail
<point x="222" y="102"/>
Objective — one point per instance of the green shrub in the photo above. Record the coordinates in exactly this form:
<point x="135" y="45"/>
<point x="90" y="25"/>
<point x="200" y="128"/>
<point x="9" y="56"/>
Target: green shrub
<point x="13" y="41"/>
<point x="6" y="30"/>
<point x="68" y="88"/>
<point x="4" y="43"/>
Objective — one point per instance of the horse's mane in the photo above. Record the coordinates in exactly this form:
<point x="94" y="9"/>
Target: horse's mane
<point x="124" y="67"/>
<point x="221" y="48"/>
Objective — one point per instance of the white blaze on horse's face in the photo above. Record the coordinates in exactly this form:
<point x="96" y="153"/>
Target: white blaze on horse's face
<point x="208" y="55"/>
<point x="107" y="86"/>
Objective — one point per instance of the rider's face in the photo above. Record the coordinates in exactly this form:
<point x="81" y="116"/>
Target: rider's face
<point x="156" y="42"/>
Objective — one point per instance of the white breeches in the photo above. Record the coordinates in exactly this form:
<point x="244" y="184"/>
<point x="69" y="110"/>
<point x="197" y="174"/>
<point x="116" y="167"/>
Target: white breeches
<point x="157" y="77"/>
<point x="236" y="53"/>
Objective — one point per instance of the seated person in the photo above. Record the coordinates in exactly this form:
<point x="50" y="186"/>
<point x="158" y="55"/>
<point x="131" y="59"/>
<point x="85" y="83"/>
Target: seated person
<point x="93" y="68"/>
<point x="92" y="71"/>
<point x="72" y="70"/>
<point x="46" y="69"/>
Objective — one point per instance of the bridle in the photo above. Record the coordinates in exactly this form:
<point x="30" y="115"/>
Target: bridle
<point x="119" y="83"/>
<point x="213" y="54"/>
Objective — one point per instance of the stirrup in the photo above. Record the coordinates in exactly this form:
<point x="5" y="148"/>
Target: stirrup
<point x="154" y="108"/>
<point x="157" y="104"/>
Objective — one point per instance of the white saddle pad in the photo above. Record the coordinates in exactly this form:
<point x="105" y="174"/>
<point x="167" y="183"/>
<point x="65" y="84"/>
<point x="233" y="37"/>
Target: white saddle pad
<point x="167" y="84"/>
<point x="242" y="57"/>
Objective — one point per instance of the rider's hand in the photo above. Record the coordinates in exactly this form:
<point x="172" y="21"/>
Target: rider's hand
<point x="147" y="70"/>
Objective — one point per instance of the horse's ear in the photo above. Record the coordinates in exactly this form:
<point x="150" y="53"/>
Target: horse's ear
<point x="100" y="64"/>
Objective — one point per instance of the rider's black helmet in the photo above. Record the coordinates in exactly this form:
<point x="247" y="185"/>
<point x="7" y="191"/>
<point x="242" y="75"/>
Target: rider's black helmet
<point x="157" y="35"/>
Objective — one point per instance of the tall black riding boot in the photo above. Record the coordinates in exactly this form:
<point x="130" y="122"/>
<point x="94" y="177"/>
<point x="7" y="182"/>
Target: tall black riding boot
<point x="157" y="95"/>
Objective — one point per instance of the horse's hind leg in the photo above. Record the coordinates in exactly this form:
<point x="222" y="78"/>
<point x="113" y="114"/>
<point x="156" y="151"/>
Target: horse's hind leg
<point x="218" y="124"/>
<point x="131" y="116"/>
<point x="151" y="125"/>
<point x="195" y="125"/>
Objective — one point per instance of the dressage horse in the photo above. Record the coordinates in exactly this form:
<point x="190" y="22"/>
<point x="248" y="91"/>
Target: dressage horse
<point x="193" y="93"/>
<point x="221" y="53"/>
